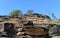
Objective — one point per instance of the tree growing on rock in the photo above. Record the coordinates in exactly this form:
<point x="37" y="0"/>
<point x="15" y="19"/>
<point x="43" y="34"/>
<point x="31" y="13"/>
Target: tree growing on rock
<point x="15" y="13"/>
<point x="29" y="12"/>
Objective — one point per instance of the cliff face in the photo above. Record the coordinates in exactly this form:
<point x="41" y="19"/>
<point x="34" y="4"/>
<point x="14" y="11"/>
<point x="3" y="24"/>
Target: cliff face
<point x="34" y="24"/>
<point x="38" y="18"/>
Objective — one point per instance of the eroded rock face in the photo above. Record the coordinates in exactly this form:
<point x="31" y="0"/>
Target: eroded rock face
<point x="37" y="18"/>
<point x="54" y="30"/>
<point x="27" y="25"/>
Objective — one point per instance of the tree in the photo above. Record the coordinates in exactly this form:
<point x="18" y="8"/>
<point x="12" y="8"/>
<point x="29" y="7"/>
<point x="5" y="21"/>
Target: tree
<point x="29" y="12"/>
<point x="15" y="13"/>
<point x="53" y="16"/>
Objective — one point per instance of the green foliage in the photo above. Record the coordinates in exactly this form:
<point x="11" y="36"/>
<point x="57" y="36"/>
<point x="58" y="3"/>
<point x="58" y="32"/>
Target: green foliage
<point x="29" y="12"/>
<point x="15" y="13"/>
<point x="53" y="16"/>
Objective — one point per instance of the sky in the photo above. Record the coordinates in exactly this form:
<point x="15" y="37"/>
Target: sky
<point x="46" y="7"/>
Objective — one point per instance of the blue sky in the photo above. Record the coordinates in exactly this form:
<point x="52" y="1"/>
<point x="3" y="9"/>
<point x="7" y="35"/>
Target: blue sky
<point x="39" y="6"/>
